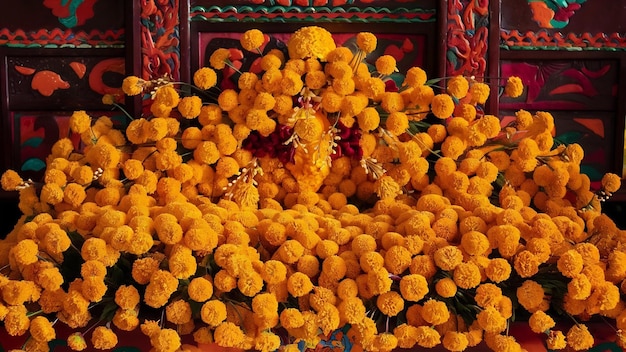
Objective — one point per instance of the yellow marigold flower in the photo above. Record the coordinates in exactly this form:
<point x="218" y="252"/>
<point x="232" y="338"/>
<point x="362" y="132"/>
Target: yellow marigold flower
<point x="219" y="58"/>
<point x="435" y="312"/>
<point x="467" y="275"/>
<point x="415" y="76"/>
<point x="540" y="322"/>
<point x="328" y="318"/>
<point x="310" y="42"/>
<point x="291" y="83"/>
<point x="378" y="281"/>
<point x="223" y="281"/>
<point x="41" y="329"/>
<point x="250" y="284"/>
<point x="252" y="39"/>
<point x="514" y="87"/>
<point x="204" y="78"/>
<point x="271" y="61"/>
<point x="604" y="297"/>
<point x="103" y="338"/>
<point x="161" y="286"/>
<point x="200" y="289"/>
<point x="80" y="121"/>
<point x="526" y="264"/>
<point x="127" y="297"/>
<point x="228" y="99"/>
<point x="397" y="123"/>
<point x="488" y="295"/>
<point x="570" y="263"/>
<point x="442" y="106"/>
<point x="352" y="310"/>
<point x="390" y="303"/>
<point x="76" y="342"/>
<point x="446" y="287"/>
<point x="166" y="340"/>
<point x="133" y="85"/>
<point x="479" y="92"/>
<point x="611" y="182"/>
<point x="448" y="257"/>
<point x="299" y="284"/>
<point x="385" y="64"/>
<point x="397" y="259"/>
<point x="181" y="263"/>
<point x="267" y="341"/>
<point x="474" y="243"/>
<point x="190" y="107"/>
<point x="455" y="341"/>
<point x="228" y="334"/>
<point x="315" y="79"/>
<point x="25" y="252"/>
<point x="178" y="312"/>
<point x="427" y="337"/>
<point x="291" y="318"/>
<point x="457" y="86"/>
<point x="490" y="320"/>
<point x="579" y="338"/>
<point x="453" y="147"/>
<point x="556" y="340"/>
<point x="366" y="42"/>
<point x="51" y="193"/>
<point x="11" y="180"/>
<point x="168" y="96"/>
<point x="530" y="294"/>
<point x="206" y="152"/>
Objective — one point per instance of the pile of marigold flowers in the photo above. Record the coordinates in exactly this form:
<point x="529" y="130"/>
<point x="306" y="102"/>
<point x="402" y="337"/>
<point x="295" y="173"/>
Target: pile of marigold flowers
<point x="314" y="195"/>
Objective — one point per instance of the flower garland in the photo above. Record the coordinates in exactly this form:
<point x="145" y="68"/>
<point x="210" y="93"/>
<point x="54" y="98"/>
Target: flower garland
<point x="317" y="195"/>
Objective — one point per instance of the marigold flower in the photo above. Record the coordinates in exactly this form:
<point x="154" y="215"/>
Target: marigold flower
<point x="540" y="322"/>
<point x="556" y="340"/>
<point x="448" y="257"/>
<point x="442" y="106"/>
<point x="219" y="58"/>
<point x="514" y="87"/>
<point x="455" y="341"/>
<point x="385" y="64"/>
<point x="611" y="182"/>
<point x="161" y="286"/>
<point x="479" y="92"/>
<point x="310" y="42"/>
<point x="133" y="85"/>
<point x="490" y="320"/>
<point x="76" y="342"/>
<point x="190" y="107"/>
<point x="457" y="86"/>
<point x="435" y="312"/>
<point x="446" y="287"/>
<point x="530" y="294"/>
<point x="579" y="338"/>
<point x="127" y="297"/>
<point x="166" y="340"/>
<point x="80" y="121"/>
<point x="103" y="338"/>
<point x="467" y="275"/>
<point x="299" y="284"/>
<point x="427" y="337"/>
<point x="526" y="264"/>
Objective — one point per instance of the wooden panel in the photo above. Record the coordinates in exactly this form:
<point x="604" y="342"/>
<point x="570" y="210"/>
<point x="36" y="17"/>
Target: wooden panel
<point x="67" y="82"/>
<point x="62" y="23"/>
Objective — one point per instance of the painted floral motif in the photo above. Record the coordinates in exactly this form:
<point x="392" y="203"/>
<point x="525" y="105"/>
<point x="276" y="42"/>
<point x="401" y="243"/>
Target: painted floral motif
<point x="71" y="13"/>
<point x="554" y="13"/>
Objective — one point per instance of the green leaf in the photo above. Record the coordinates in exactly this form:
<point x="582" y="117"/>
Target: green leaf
<point x="108" y="311"/>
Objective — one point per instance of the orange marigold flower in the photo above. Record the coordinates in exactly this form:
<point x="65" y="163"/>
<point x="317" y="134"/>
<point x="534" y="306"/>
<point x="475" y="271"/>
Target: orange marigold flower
<point x="190" y="107"/>
<point x="457" y="86"/>
<point x="446" y="287"/>
<point x="540" y="322"/>
<point x="213" y="312"/>
<point x="11" y="180"/>
<point x="310" y="42"/>
<point x="556" y="340"/>
<point x="166" y="340"/>
<point x="530" y="294"/>
<point x="455" y="341"/>
<point x="41" y="329"/>
<point x="579" y="338"/>
<point x="390" y="303"/>
<point x="366" y="42"/>
<point x="252" y="39"/>
<point x="415" y="76"/>
<point x="435" y="312"/>
<point x="127" y="297"/>
<point x="442" y="106"/>
<point x="611" y="182"/>
<point x="526" y="264"/>
<point x="80" y="121"/>
<point x="570" y="263"/>
<point x="427" y="337"/>
<point x="168" y="96"/>
<point x="299" y="284"/>
<point x="219" y="58"/>
<point x="205" y="78"/>
<point x="467" y="275"/>
<point x="490" y="320"/>
<point x="103" y="338"/>
<point x="76" y="342"/>
<point x="133" y="85"/>
<point x="385" y="64"/>
<point x="514" y="87"/>
<point x="480" y="92"/>
<point x="488" y="295"/>
<point x="448" y="257"/>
